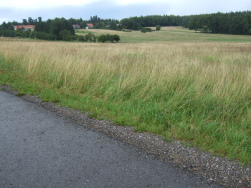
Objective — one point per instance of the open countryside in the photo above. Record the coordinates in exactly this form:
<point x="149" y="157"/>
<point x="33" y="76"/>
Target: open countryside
<point x="175" y="82"/>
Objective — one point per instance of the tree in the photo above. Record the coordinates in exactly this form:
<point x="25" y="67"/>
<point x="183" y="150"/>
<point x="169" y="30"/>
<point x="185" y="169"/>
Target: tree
<point x="66" y="35"/>
<point x="19" y="32"/>
<point x="83" y="24"/>
<point x="102" y="38"/>
<point x="58" y="25"/>
<point x="158" y="28"/>
<point x="144" y="30"/>
<point x="25" y="22"/>
<point x="99" y="25"/>
<point x="30" y="21"/>
<point x="90" y="37"/>
<point x="193" y="25"/>
<point x="94" y="19"/>
<point x="205" y="29"/>
<point x="81" y="38"/>
<point x="116" y="38"/>
<point x="249" y="31"/>
<point x="4" y="26"/>
<point x="27" y="34"/>
<point x="111" y="38"/>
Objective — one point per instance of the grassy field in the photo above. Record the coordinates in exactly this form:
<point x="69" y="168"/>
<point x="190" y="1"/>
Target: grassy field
<point x="175" y="83"/>
<point x="169" y="34"/>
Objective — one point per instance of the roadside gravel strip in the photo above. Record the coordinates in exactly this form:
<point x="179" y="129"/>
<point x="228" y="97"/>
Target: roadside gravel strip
<point x="214" y="169"/>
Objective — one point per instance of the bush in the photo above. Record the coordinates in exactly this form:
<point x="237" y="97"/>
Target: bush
<point x="65" y="35"/>
<point x="42" y="35"/>
<point x="111" y="38"/>
<point x="102" y="38"/>
<point x="8" y="33"/>
<point x="90" y="37"/>
<point x="145" y="29"/>
<point x="158" y="27"/>
<point x="81" y="38"/>
<point x="117" y="38"/>
<point x="249" y="32"/>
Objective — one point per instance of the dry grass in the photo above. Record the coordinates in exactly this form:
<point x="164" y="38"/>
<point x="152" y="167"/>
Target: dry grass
<point x="198" y="92"/>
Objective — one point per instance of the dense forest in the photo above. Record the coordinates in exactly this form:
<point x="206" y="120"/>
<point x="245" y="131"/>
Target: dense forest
<point x="236" y="23"/>
<point x="136" y="23"/>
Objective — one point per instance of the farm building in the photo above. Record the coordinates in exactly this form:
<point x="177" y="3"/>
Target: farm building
<point x="24" y="27"/>
<point x="89" y="26"/>
<point x="76" y="26"/>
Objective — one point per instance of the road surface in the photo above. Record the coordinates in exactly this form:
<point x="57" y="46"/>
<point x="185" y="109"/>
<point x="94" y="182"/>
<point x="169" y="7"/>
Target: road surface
<point x="41" y="149"/>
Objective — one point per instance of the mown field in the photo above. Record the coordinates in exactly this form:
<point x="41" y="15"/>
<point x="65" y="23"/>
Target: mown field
<point x="176" y="83"/>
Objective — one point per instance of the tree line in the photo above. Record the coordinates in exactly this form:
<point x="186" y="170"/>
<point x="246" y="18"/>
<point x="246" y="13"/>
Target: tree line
<point x="98" y="22"/>
<point x="57" y="29"/>
<point x="236" y="23"/>
<point x="90" y="37"/>
<point x="137" y="23"/>
<point x="61" y="28"/>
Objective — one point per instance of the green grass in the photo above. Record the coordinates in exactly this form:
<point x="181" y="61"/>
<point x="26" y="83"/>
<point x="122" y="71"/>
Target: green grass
<point x="230" y="40"/>
<point x="142" y="115"/>
<point x="169" y="34"/>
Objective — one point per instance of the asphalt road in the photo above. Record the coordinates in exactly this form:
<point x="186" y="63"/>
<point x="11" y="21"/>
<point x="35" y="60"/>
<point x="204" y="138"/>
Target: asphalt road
<point x="40" y="149"/>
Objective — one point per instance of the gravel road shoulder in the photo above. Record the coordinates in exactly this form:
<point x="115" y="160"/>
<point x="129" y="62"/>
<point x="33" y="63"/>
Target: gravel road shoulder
<point x="215" y="169"/>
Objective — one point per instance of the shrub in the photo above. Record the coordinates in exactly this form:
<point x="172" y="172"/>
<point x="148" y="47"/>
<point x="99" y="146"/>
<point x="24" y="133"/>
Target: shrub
<point x="81" y="38"/>
<point x="158" y="27"/>
<point x="102" y="38"/>
<point x="111" y="38"/>
<point x="65" y="35"/>
<point x="90" y="37"/>
<point x="145" y="29"/>
<point x="117" y="38"/>
<point x="249" y="32"/>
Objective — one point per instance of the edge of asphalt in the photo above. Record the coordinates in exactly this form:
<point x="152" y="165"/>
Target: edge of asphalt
<point x="215" y="169"/>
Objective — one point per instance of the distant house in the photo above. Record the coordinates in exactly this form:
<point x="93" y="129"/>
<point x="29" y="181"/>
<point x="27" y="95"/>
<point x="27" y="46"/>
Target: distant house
<point x="16" y="27"/>
<point x="89" y="26"/>
<point x="76" y="26"/>
<point x="24" y="27"/>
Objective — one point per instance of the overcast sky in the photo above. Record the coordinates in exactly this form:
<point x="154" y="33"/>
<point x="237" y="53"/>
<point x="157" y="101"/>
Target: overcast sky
<point x="17" y="10"/>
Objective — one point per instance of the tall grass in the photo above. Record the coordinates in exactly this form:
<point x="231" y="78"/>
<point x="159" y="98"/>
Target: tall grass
<point x="196" y="92"/>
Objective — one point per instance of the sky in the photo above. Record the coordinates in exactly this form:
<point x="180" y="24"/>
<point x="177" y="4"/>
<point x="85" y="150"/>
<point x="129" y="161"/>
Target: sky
<point x="16" y="10"/>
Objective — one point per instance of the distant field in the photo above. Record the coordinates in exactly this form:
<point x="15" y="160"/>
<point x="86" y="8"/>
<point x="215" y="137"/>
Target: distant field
<point x="176" y="83"/>
<point x="170" y="34"/>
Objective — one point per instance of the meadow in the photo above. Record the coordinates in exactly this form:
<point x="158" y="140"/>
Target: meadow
<point x="176" y="83"/>
<point x="169" y="34"/>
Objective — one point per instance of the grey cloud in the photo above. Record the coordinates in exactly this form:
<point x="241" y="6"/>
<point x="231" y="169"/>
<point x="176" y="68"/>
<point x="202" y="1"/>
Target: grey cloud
<point x="102" y="9"/>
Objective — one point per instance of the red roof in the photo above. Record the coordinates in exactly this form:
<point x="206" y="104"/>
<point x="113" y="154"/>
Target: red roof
<point x="31" y="26"/>
<point x="24" y="27"/>
<point x="18" y="27"/>
<point x="90" y="25"/>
